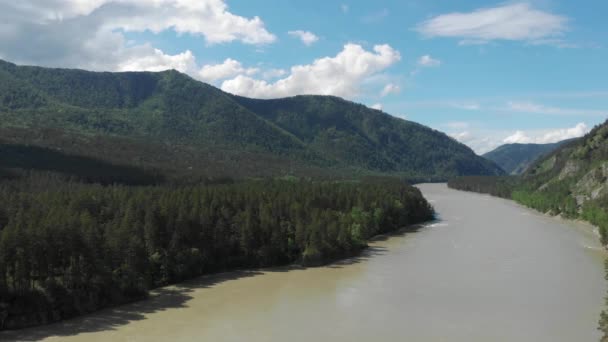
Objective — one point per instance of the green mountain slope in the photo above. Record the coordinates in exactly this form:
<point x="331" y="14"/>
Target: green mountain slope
<point x="516" y="158"/>
<point x="357" y="135"/>
<point x="572" y="181"/>
<point x="141" y="116"/>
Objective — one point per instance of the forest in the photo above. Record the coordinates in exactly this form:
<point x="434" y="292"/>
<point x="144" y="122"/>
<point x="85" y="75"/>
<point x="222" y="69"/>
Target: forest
<point x="69" y="247"/>
<point x="169" y="121"/>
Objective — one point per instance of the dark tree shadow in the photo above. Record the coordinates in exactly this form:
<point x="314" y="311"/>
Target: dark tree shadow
<point x="172" y="297"/>
<point x="13" y="156"/>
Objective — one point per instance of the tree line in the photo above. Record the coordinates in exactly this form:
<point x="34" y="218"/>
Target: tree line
<point x="68" y="248"/>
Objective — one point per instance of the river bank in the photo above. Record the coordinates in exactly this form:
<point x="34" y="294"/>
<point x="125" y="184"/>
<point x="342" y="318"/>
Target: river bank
<point x="487" y="270"/>
<point x="72" y="252"/>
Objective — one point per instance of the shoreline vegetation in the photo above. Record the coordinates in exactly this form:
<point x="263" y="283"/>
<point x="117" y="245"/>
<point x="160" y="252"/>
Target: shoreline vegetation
<point x="571" y="181"/>
<point x="69" y="248"/>
<point x="547" y="203"/>
<point x="554" y="201"/>
<point x="175" y="295"/>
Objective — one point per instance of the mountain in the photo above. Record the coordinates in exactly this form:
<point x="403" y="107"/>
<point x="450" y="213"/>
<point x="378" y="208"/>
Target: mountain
<point x="170" y="122"/>
<point x="516" y="158"/>
<point x="367" y="138"/>
<point x="571" y="181"/>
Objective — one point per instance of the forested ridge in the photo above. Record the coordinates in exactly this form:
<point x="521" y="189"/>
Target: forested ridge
<point x="145" y="116"/>
<point x="516" y="158"/>
<point x="571" y="182"/>
<point x="367" y="138"/>
<point x="112" y="184"/>
<point x="68" y="247"/>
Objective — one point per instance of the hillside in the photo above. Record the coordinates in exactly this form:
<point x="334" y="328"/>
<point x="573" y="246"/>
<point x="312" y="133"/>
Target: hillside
<point x="167" y="121"/>
<point x="516" y="158"/>
<point x="572" y="181"/>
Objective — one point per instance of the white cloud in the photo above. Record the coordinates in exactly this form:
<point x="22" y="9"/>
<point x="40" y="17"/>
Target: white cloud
<point x="480" y="142"/>
<point x="534" y="108"/>
<point x="428" y="61"/>
<point x="90" y="33"/>
<point x="511" y="21"/>
<point x="471" y="134"/>
<point x="274" y="73"/>
<point x="547" y="136"/>
<point x="307" y="37"/>
<point x="341" y="75"/>
<point x="561" y="134"/>
<point x="229" y="68"/>
<point x="209" y="18"/>
<point x="390" y="88"/>
<point x="463" y="137"/>
<point x="155" y="60"/>
<point x="519" y="137"/>
<point x="377" y="106"/>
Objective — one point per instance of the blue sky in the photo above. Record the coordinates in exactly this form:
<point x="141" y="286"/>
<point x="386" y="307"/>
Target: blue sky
<point x="484" y="72"/>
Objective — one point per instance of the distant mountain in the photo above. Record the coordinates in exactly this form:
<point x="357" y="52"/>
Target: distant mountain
<point x="577" y="174"/>
<point x="516" y="158"/>
<point x="173" y="123"/>
<point x="571" y="181"/>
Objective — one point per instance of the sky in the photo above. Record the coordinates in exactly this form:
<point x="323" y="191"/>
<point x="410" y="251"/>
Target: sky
<point x="484" y="72"/>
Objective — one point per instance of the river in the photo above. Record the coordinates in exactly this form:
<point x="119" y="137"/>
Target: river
<point x="487" y="270"/>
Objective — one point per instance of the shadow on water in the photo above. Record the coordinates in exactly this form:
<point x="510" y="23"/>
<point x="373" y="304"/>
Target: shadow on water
<point x="365" y="255"/>
<point x="176" y="296"/>
<point x="374" y="250"/>
<point x="172" y="297"/>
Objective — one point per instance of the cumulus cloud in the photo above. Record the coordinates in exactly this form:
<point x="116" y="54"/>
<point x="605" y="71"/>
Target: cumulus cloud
<point x="89" y="33"/>
<point x="480" y="141"/>
<point x="307" y="37"/>
<point x="209" y="18"/>
<point x="229" y="68"/>
<point x="274" y="73"/>
<point x="428" y="61"/>
<point x="549" y="136"/>
<point x="519" y="137"/>
<point x="341" y="75"/>
<point x="156" y="60"/>
<point x="390" y="88"/>
<point x="377" y="106"/>
<point x="511" y="21"/>
<point x="469" y="134"/>
<point x="483" y="140"/>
